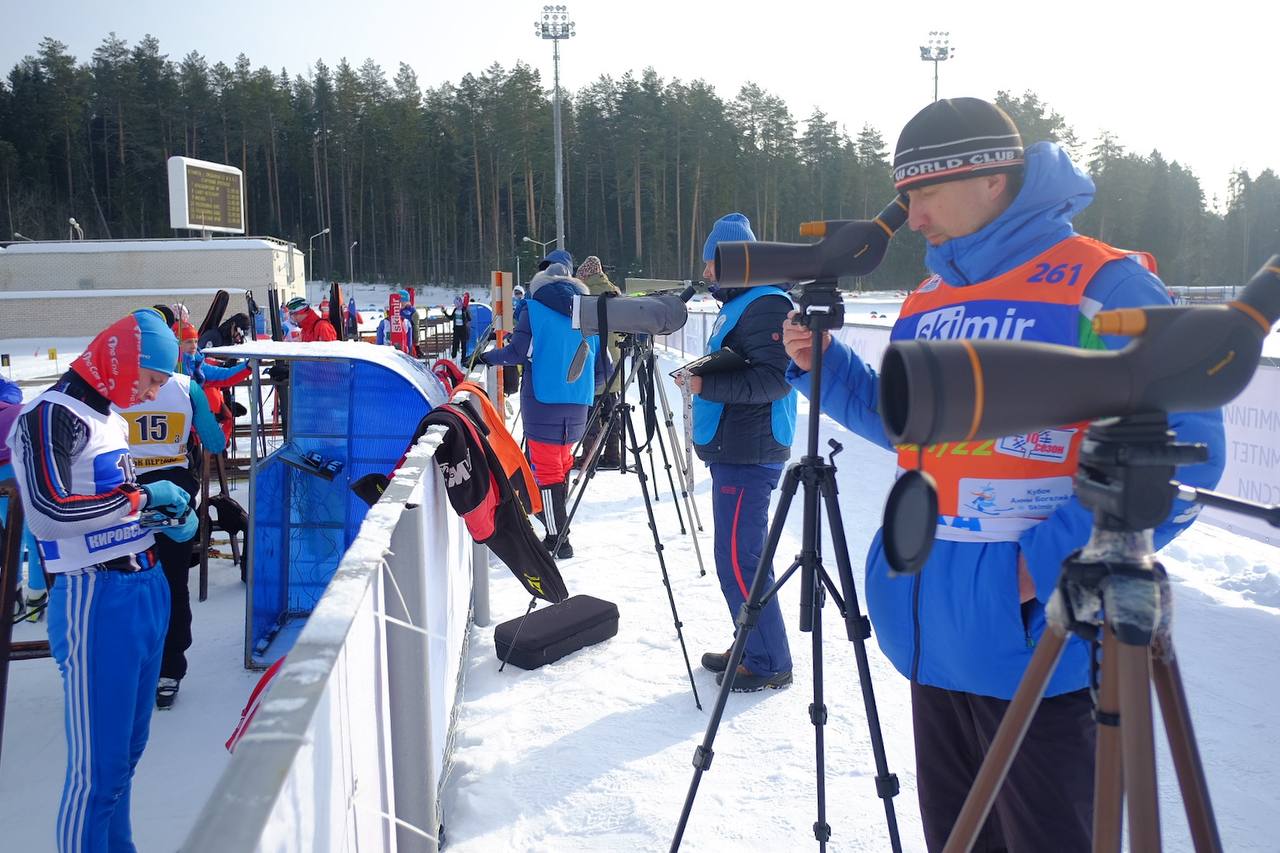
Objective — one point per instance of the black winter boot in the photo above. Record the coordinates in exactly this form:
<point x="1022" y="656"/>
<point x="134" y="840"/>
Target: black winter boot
<point x="554" y="516"/>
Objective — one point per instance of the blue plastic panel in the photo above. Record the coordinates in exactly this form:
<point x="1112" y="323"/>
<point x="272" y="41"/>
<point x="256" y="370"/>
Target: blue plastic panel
<point x="355" y="412"/>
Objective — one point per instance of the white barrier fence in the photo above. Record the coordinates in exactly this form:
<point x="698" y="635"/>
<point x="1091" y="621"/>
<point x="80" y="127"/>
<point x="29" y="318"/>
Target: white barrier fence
<point x="350" y="747"/>
<point x="1251" y="421"/>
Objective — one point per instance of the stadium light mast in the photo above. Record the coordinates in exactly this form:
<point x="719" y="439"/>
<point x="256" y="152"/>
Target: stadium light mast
<point x="938" y="49"/>
<point x="555" y="26"/>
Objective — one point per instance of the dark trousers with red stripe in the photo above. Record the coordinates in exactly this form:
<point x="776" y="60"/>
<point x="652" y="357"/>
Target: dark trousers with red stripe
<point x="740" y="503"/>
<point x="1046" y="802"/>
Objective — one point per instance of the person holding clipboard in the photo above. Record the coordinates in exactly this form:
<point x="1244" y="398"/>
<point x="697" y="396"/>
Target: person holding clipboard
<point x="744" y="417"/>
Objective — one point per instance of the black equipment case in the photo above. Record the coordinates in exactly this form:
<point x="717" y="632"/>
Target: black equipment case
<point x="552" y="632"/>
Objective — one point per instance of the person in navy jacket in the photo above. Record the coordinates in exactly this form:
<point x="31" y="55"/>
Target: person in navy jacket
<point x="743" y="424"/>
<point x="997" y="220"/>
<point x="553" y="408"/>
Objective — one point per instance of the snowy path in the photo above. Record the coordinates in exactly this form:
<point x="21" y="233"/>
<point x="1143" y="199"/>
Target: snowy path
<point x="594" y="752"/>
<point x="184" y="756"/>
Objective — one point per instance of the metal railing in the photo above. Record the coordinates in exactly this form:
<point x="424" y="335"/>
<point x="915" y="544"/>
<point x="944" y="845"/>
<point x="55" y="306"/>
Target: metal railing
<point x="350" y="747"/>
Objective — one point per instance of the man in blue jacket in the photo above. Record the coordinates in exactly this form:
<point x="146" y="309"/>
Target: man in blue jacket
<point x="743" y="423"/>
<point x="996" y="219"/>
<point x="553" y="408"/>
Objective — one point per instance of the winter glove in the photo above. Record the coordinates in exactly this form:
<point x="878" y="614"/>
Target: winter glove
<point x="185" y="533"/>
<point x="163" y="496"/>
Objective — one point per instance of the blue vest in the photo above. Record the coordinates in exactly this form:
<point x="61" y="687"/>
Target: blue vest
<point x="706" y="414"/>
<point x="555" y="342"/>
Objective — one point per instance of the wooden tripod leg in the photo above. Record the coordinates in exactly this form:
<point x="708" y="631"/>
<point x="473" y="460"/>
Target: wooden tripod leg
<point x="995" y="766"/>
<point x="1182" y="744"/>
<point x="1108" y="778"/>
<point x="1138" y="746"/>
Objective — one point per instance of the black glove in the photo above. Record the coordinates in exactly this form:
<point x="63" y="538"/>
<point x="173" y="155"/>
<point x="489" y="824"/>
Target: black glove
<point x="278" y="373"/>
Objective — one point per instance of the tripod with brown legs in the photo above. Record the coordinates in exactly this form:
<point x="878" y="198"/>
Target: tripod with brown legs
<point x="1114" y="594"/>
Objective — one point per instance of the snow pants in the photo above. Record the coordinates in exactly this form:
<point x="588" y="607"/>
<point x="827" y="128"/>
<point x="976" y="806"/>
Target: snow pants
<point x="175" y="560"/>
<point x="550" y="462"/>
<point x="740" y="505"/>
<point x="1047" y="801"/>
<point x="106" y="633"/>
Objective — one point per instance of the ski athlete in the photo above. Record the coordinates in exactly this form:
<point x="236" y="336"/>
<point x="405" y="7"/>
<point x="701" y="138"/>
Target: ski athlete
<point x="461" y="318"/>
<point x="313" y="326"/>
<point x="108" y="608"/>
<point x="160" y="431"/>
<point x="192" y="362"/>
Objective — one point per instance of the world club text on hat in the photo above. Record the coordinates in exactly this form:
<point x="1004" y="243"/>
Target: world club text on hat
<point x="953" y="139"/>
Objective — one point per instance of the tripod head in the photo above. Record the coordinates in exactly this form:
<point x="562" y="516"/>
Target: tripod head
<point x="821" y="306"/>
<point x="1126" y="471"/>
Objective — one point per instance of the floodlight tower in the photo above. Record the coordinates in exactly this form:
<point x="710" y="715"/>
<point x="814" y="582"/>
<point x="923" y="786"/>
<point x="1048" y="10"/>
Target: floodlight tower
<point x="555" y="26"/>
<point x="938" y="49"/>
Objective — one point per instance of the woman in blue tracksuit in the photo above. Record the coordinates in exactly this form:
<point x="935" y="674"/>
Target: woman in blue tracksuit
<point x="108" y="608"/>
<point x="965" y="627"/>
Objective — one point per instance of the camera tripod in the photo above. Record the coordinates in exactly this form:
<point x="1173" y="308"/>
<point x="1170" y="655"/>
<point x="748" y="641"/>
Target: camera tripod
<point x="643" y="371"/>
<point x="821" y="309"/>
<point x="619" y="417"/>
<point x="1124" y="478"/>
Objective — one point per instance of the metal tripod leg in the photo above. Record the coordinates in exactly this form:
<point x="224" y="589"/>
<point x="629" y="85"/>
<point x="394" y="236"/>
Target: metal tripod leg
<point x="1182" y="745"/>
<point x="657" y="547"/>
<point x="746" y="621"/>
<point x="686" y="488"/>
<point x="682" y="468"/>
<point x="818" y="709"/>
<point x="858" y="629"/>
<point x="1013" y="727"/>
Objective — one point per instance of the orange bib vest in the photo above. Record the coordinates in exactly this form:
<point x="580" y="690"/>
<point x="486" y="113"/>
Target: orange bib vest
<point x="993" y="490"/>
<point x="504" y="445"/>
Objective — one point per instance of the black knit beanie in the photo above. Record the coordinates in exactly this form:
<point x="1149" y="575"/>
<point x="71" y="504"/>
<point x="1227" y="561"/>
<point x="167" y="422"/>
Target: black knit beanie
<point x="955" y="138"/>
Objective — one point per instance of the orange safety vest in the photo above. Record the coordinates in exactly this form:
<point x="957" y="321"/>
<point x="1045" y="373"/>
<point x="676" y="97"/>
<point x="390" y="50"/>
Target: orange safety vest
<point x="504" y="445"/>
<point x="993" y="490"/>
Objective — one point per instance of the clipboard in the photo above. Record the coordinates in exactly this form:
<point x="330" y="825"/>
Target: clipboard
<point x="723" y="360"/>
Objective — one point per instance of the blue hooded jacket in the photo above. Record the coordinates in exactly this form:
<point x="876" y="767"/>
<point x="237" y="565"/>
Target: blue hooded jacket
<point x="550" y="423"/>
<point x="958" y="624"/>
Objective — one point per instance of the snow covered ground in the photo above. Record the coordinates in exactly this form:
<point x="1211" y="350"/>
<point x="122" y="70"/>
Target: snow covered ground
<point x="185" y="755"/>
<point x="594" y="752"/>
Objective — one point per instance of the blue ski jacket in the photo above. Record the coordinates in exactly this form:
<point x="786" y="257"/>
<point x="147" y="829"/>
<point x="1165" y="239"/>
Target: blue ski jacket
<point x="959" y="624"/>
<point x="551" y="422"/>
